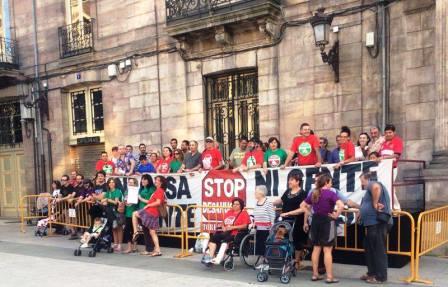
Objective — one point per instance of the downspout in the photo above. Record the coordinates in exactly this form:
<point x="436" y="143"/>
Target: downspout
<point x="384" y="70"/>
<point x="36" y="91"/>
<point x="158" y="75"/>
<point x="50" y="155"/>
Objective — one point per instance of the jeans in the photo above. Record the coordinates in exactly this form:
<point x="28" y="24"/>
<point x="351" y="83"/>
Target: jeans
<point x="375" y="251"/>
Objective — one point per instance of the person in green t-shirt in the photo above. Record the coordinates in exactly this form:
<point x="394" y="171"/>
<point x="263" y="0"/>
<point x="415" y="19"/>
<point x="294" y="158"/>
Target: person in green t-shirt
<point x="112" y="198"/>
<point x="238" y="153"/>
<point x="147" y="188"/>
<point x="176" y="163"/>
<point x="275" y="156"/>
<point x="129" y="210"/>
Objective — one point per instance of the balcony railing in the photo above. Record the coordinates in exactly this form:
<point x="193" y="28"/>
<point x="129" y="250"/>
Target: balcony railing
<point x="75" y="39"/>
<point x="8" y="53"/>
<point x="180" y="9"/>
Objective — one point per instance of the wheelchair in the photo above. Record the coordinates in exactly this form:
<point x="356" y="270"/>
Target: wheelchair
<point x="243" y="246"/>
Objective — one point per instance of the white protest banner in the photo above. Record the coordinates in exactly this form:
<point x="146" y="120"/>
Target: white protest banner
<point x="218" y="187"/>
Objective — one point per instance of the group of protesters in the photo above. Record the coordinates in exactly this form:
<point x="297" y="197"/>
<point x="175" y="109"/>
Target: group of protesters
<point x="323" y="204"/>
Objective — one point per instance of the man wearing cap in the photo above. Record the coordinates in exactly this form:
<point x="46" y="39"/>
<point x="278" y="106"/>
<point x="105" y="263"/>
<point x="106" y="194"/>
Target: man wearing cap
<point x="253" y="158"/>
<point x="211" y="157"/>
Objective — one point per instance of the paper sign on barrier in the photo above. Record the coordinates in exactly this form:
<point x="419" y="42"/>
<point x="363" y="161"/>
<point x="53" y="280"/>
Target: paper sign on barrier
<point x="72" y="212"/>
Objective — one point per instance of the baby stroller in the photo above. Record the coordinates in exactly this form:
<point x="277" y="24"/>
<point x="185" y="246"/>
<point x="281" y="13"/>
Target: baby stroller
<point x="104" y="239"/>
<point x="279" y="254"/>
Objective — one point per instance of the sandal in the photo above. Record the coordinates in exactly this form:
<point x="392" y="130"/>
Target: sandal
<point x="155" y="254"/>
<point x="145" y="253"/>
<point x="134" y="237"/>
<point x="372" y="280"/>
<point x="317" y="278"/>
<point x="331" y="281"/>
<point x="130" y="251"/>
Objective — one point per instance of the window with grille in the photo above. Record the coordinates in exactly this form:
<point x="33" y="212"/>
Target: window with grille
<point x="232" y="107"/>
<point x="10" y="124"/>
<point x="87" y="117"/>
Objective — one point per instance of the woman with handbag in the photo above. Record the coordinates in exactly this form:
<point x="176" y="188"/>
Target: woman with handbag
<point x="149" y="216"/>
<point x="114" y="207"/>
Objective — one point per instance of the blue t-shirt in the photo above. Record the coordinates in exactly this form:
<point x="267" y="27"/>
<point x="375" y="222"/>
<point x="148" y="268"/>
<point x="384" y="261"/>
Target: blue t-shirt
<point x="325" y="204"/>
<point x="147" y="168"/>
<point x="334" y="156"/>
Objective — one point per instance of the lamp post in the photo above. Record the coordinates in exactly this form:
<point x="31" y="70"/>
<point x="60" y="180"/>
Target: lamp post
<point x="321" y="26"/>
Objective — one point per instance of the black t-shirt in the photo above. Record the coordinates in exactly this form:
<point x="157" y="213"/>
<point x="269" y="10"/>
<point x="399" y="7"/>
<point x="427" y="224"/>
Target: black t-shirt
<point x="292" y="201"/>
<point x="79" y="190"/>
<point x="67" y="190"/>
<point x="100" y="188"/>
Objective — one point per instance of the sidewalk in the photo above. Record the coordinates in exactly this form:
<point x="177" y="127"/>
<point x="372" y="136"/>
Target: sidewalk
<point x="53" y="256"/>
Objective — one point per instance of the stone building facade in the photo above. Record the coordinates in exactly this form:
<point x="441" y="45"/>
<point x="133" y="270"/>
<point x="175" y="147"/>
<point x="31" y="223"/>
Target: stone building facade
<point x="167" y="66"/>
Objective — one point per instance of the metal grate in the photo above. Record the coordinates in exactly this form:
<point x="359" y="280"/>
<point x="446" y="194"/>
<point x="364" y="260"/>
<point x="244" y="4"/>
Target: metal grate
<point x="79" y="117"/>
<point x="10" y="125"/>
<point x="8" y="52"/>
<point x="76" y="39"/>
<point x="232" y="108"/>
<point x="96" y="98"/>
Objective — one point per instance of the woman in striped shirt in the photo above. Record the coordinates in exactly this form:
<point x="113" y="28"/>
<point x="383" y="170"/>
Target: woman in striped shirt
<point x="264" y="216"/>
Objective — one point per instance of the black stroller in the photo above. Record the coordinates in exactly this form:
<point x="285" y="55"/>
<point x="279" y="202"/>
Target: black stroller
<point x="279" y="255"/>
<point x="104" y="239"/>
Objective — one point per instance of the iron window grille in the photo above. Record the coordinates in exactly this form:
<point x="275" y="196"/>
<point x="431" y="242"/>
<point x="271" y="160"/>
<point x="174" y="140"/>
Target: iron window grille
<point x="10" y="124"/>
<point x="232" y="108"/>
<point x="79" y="114"/>
<point x="8" y="53"/>
<point x="180" y="9"/>
<point x="96" y="98"/>
<point x="76" y="39"/>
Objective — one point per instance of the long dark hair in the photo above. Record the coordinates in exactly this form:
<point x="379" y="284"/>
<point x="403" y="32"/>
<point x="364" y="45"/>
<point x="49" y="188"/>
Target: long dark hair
<point x="163" y="182"/>
<point x="322" y="180"/>
<point x="57" y="183"/>
<point x="109" y="181"/>
<point x="149" y="179"/>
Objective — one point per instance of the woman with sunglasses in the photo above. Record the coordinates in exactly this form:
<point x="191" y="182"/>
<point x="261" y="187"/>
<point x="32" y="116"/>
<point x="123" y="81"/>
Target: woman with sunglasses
<point x="176" y="163"/>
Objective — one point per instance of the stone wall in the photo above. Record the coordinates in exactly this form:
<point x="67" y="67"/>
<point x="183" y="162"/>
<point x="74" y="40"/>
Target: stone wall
<point x="163" y="97"/>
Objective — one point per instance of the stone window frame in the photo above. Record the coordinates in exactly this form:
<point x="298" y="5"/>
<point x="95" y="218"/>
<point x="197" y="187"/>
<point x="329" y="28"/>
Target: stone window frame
<point x="91" y="132"/>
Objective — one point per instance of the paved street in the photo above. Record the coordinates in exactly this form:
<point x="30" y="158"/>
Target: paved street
<point x="30" y="261"/>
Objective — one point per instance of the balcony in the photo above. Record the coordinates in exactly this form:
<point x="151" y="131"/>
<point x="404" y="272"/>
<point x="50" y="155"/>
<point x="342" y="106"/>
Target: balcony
<point x="9" y="62"/>
<point x="201" y="25"/>
<point x="75" y="39"/>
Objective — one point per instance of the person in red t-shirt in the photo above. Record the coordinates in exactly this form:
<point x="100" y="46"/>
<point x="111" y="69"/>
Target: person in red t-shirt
<point x="105" y="164"/>
<point x="253" y="158"/>
<point x="392" y="147"/>
<point x="306" y="146"/>
<point x="149" y="215"/>
<point x="346" y="149"/>
<point x="234" y="226"/>
<point x="163" y="165"/>
<point x="211" y="157"/>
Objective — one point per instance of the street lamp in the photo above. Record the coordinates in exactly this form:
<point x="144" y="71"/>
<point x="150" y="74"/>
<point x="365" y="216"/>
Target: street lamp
<point x="321" y="25"/>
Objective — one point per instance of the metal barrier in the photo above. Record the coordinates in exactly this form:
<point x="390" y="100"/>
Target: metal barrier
<point x="170" y="227"/>
<point x="33" y="207"/>
<point x="394" y="245"/>
<point x="432" y="232"/>
<point x="67" y="213"/>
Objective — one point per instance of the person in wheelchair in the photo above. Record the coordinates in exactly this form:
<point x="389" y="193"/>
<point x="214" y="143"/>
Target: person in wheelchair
<point x="235" y="226"/>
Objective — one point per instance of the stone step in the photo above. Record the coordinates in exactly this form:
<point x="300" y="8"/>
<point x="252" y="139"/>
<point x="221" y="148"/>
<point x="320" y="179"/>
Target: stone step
<point x="436" y="171"/>
<point x="440" y="159"/>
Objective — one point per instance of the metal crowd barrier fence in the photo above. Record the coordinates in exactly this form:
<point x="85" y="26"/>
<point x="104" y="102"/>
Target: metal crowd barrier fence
<point x="68" y="213"/>
<point x="33" y="207"/>
<point x="351" y="241"/>
<point x="432" y="232"/>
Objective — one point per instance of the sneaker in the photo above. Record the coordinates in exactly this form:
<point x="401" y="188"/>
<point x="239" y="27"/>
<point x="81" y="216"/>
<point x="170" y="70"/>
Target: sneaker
<point x="206" y="259"/>
<point x="215" y="261"/>
<point x="84" y="245"/>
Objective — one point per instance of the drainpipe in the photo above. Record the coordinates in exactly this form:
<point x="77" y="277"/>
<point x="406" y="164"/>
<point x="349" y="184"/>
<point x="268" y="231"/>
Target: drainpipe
<point x="158" y="75"/>
<point x="36" y="98"/>
<point x="50" y="157"/>
<point x="384" y="70"/>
